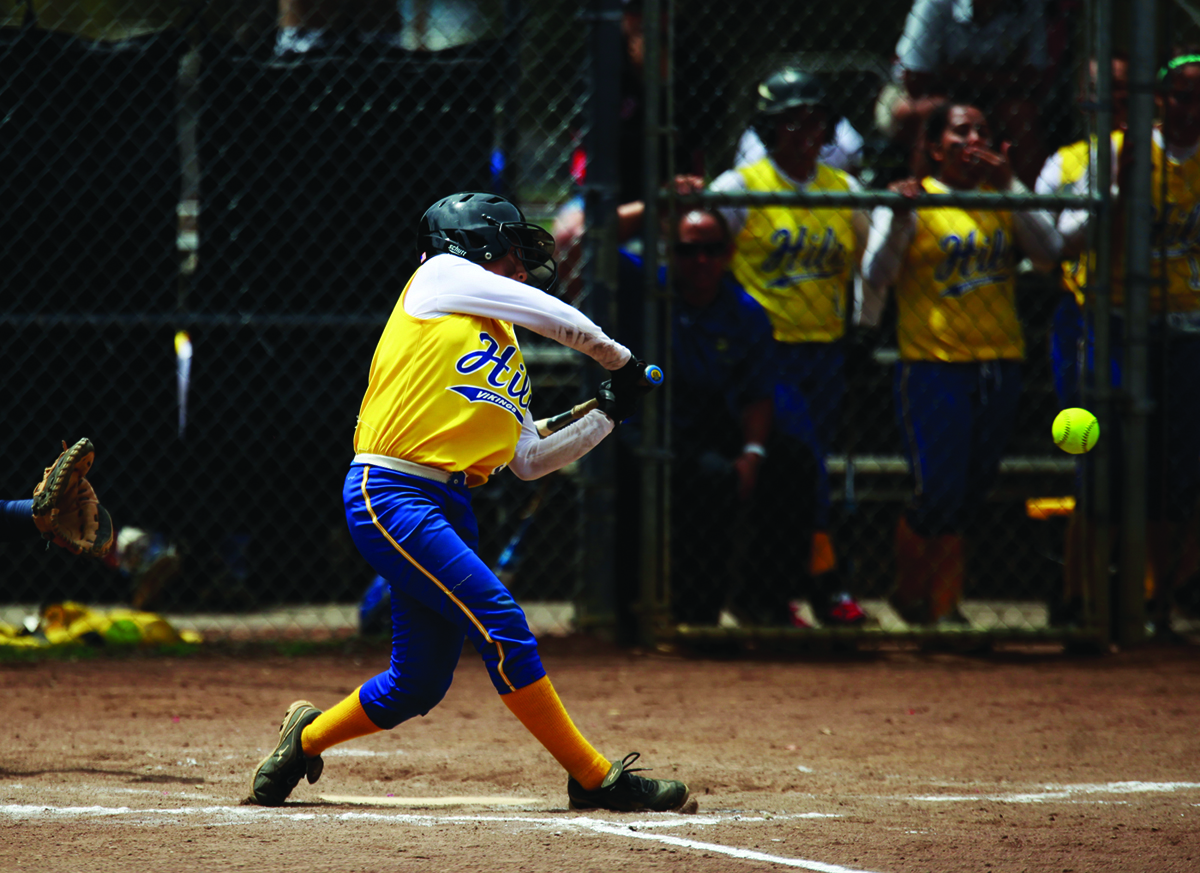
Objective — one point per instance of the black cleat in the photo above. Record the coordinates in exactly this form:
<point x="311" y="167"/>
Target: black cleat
<point x="621" y="791"/>
<point x="282" y="770"/>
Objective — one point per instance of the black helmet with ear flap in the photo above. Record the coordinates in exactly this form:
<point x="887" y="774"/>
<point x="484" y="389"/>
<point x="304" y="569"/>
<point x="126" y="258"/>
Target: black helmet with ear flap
<point x="483" y="228"/>
<point x="788" y="88"/>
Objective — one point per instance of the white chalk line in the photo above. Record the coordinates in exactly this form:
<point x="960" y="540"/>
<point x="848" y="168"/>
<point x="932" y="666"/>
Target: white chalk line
<point x="715" y="848"/>
<point x="640" y="829"/>
<point x="243" y="813"/>
<point x="360" y="753"/>
<point x="1063" y="792"/>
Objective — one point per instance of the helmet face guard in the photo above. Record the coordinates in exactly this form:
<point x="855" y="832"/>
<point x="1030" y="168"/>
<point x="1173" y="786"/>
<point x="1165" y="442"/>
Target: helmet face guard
<point x="483" y="228"/>
<point x="535" y="249"/>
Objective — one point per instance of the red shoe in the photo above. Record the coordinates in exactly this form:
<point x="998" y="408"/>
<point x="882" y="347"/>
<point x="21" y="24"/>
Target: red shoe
<point x="843" y="610"/>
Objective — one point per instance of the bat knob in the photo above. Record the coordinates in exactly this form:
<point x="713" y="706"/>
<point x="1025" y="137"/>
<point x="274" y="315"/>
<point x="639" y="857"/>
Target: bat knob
<point x="653" y="374"/>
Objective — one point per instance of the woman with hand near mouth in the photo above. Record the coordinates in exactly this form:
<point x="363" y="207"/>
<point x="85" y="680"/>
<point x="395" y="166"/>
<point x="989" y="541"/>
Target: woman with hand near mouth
<point x="958" y="381"/>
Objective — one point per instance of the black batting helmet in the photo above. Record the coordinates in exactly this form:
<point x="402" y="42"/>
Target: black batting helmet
<point x="788" y="88"/>
<point x="483" y="228"/>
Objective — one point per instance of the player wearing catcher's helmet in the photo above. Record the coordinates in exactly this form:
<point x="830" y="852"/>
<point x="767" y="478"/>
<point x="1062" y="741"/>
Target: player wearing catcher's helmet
<point x="799" y="264"/>
<point x="446" y="406"/>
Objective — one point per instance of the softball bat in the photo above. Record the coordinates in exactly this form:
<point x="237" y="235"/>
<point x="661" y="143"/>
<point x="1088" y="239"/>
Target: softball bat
<point x="652" y="376"/>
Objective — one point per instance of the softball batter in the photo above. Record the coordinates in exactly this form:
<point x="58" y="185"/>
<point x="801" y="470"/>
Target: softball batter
<point x="447" y="405"/>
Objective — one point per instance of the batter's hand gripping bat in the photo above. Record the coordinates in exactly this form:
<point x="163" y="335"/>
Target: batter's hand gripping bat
<point x="652" y="376"/>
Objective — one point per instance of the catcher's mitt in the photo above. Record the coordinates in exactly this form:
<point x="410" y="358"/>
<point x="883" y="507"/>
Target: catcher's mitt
<point x="65" y="507"/>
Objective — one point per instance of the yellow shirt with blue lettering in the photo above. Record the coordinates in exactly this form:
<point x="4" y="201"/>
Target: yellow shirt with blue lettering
<point x="955" y="294"/>
<point x="1176" y="234"/>
<point x="1069" y="170"/>
<point x="1075" y="163"/>
<point x="449" y="392"/>
<point x="797" y="262"/>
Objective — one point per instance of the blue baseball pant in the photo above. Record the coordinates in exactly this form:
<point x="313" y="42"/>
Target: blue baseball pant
<point x="808" y="405"/>
<point x="422" y="537"/>
<point x="956" y="419"/>
<point x="1066" y="349"/>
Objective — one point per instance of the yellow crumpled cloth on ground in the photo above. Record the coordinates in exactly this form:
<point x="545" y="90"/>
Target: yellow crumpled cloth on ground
<point x="70" y="623"/>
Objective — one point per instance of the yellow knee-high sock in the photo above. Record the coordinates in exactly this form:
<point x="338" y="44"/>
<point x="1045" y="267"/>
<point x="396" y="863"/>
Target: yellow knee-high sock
<point x="341" y="722"/>
<point x="538" y="708"/>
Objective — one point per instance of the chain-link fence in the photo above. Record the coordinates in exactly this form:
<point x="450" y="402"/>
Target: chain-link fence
<point x="908" y="484"/>
<point x="209" y="211"/>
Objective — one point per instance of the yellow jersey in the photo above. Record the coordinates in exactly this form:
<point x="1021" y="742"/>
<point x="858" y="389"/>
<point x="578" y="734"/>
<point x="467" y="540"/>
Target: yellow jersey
<point x="449" y="392"/>
<point x="797" y="262"/>
<point x="1176" y="235"/>
<point x="955" y="295"/>
<point x="1074" y="165"/>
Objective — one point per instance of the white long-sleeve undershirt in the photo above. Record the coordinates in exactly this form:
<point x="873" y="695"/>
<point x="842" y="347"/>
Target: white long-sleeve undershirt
<point x="536" y="455"/>
<point x="446" y="284"/>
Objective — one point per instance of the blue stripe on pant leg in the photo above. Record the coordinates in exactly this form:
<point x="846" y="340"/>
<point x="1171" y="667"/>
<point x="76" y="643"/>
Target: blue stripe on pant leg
<point x="421" y="538"/>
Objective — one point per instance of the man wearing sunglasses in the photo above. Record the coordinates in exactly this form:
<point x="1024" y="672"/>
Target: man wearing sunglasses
<point x="446" y="406"/>
<point x="737" y="484"/>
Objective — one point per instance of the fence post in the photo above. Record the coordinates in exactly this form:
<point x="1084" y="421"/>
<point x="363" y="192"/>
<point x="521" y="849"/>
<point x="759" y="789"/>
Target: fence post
<point x="655" y="524"/>
<point x="1096" y="503"/>
<point x="600" y="280"/>
<point x="1131" y="609"/>
<point x="505" y="171"/>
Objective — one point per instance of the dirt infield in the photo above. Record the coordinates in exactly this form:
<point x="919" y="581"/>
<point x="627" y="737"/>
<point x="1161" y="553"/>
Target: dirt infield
<point x="888" y="762"/>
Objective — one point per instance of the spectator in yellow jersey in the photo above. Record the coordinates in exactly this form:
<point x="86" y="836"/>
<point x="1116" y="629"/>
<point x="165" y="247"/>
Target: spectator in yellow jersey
<point x="1072" y="170"/>
<point x="799" y="264"/>
<point x="1173" y="463"/>
<point x="958" y="380"/>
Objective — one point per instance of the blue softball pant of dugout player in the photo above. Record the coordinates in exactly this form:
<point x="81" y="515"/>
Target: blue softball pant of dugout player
<point x="808" y="404"/>
<point x="956" y="419"/>
<point x="422" y="537"/>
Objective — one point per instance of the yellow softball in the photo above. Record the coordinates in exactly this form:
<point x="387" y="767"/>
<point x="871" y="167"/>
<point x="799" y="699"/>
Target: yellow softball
<point x="1075" y="430"/>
